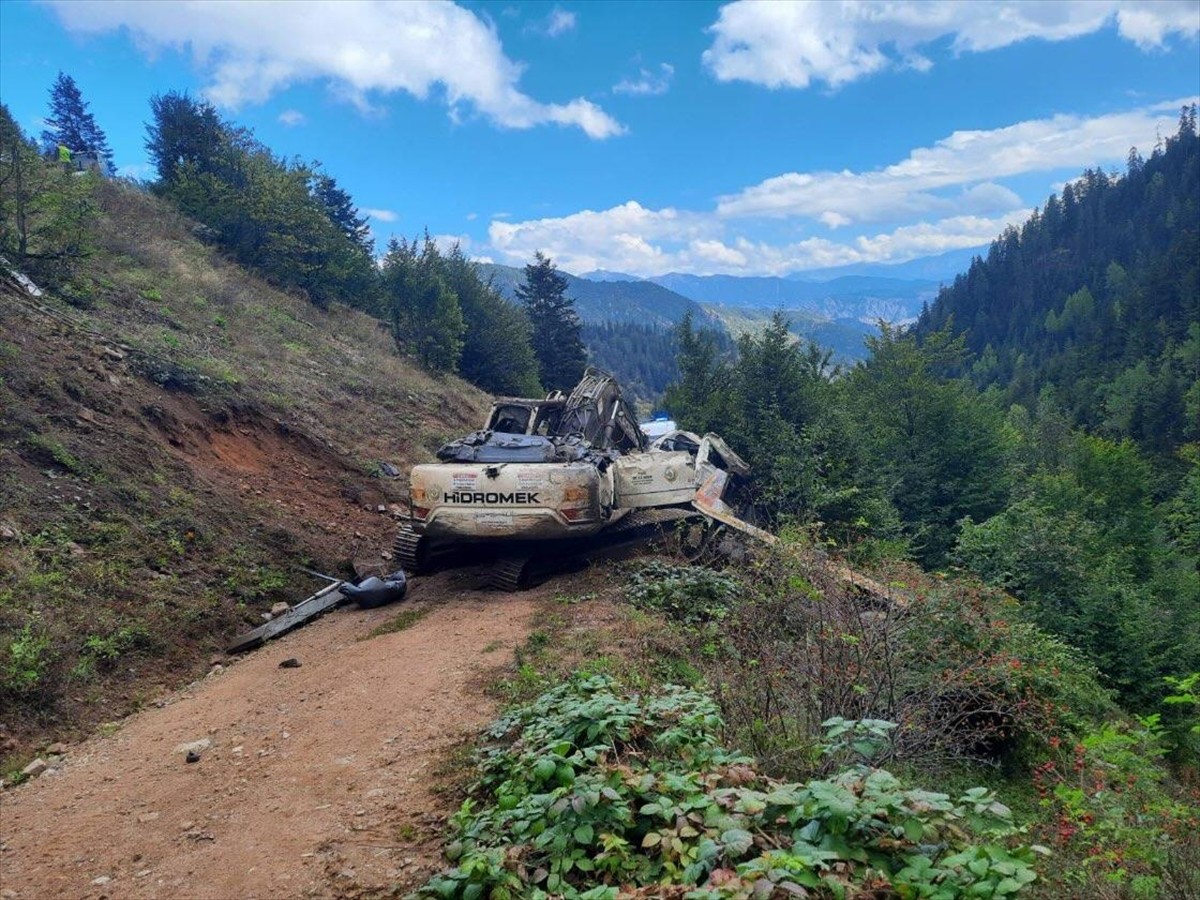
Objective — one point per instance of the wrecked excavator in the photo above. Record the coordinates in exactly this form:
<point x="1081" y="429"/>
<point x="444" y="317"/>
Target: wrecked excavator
<point x="553" y="480"/>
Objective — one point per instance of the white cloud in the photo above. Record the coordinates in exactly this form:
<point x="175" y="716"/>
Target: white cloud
<point x="838" y="41"/>
<point x="136" y="171"/>
<point x="292" y="117"/>
<point x="560" y="21"/>
<point x="579" y="241"/>
<point x="381" y="215"/>
<point x="447" y="242"/>
<point x="251" y="50"/>
<point x="966" y="160"/>
<point x="688" y="242"/>
<point x="717" y="253"/>
<point x="938" y="198"/>
<point x="649" y="82"/>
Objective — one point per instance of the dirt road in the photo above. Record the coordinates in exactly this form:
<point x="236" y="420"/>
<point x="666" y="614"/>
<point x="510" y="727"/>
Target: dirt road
<point x="316" y="781"/>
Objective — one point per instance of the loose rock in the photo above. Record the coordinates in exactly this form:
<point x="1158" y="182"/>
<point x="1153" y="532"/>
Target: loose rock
<point x="194" y="746"/>
<point x="290" y="663"/>
<point x="35" y="768"/>
<point x="57" y="749"/>
<point x="279" y="608"/>
<point x="192" y="756"/>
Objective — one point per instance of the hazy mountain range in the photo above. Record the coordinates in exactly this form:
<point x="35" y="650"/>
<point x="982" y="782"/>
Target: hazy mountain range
<point x="834" y="307"/>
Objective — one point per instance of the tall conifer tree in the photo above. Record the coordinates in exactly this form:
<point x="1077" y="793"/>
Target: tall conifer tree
<point x="557" y="338"/>
<point x="71" y="124"/>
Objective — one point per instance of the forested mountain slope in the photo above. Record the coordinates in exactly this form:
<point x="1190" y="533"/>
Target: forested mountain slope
<point x="1097" y="299"/>
<point x="1038" y="428"/>
<point x="639" y="302"/>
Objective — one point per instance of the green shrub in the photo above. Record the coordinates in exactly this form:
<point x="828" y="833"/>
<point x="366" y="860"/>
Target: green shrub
<point x="1107" y="811"/>
<point x="587" y="791"/>
<point x="949" y="661"/>
<point x="24" y="665"/>
<point x="692" y="595"/>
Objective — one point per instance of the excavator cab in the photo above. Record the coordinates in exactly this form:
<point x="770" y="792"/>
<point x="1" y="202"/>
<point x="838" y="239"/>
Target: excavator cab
<point x="515" y="415"/>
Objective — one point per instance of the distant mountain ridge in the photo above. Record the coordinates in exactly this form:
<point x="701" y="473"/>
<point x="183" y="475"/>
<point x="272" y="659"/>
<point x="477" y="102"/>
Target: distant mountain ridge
<point x="639" y="302"/>
<point x="865" y="298"/>
<point x="862" y="292"/>
<point x="940" y="267"/>
<point x="835" y="308"/>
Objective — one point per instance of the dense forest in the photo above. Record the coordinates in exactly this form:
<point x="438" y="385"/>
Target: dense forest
<point x="642" y="356"/>
<point x="1094" y="303"/>
<point x="1036" y="429"/>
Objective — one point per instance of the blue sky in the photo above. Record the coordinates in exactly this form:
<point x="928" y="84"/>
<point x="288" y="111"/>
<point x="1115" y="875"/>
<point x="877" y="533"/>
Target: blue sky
<point x="748" y="138"/>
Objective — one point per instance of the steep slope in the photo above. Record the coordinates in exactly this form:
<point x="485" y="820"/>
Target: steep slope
<point x="1097" y="297"/>
<point x="174" y="442"/>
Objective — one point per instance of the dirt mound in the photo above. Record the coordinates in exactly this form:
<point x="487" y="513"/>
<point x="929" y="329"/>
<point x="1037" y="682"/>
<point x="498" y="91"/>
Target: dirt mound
<point x="313" y="781"/>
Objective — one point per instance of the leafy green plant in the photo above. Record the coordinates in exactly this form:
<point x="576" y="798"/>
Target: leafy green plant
<point x="692" y="595"/>
<point x="106" y="649"/>
<point x="24" y="666"/>
<point x="1186" y="697"/>
<point x="587" y="791"/>
<point x="866" y="738"/>
<point x="1106" y="809"/>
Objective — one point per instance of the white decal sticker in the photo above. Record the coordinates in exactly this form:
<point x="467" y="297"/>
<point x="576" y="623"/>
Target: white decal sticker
<point x="494" y="520"/>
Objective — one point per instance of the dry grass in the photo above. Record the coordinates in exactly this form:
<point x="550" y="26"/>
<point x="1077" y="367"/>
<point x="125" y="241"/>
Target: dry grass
<point x="327" y="371"/>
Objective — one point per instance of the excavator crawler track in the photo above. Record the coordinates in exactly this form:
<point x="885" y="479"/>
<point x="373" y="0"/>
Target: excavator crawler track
<point x="412" y="551"/>
<point x="510" y="573"/>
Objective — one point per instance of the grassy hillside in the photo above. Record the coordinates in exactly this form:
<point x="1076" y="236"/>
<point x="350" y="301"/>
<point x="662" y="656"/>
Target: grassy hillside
<point x="177" y="436"/>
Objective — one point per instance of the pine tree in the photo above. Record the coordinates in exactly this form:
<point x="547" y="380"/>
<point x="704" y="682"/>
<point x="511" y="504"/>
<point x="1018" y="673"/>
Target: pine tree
<point x="557" y="338"/>
<point x="341" y="210"/>
<point x="71" y="125"/>
<point x="699" y="398"/>
<point x="496" y="354"/>
<point x="182" y="131"/>
<point x="47" y="215"/>
<point x="424" y="313"/>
